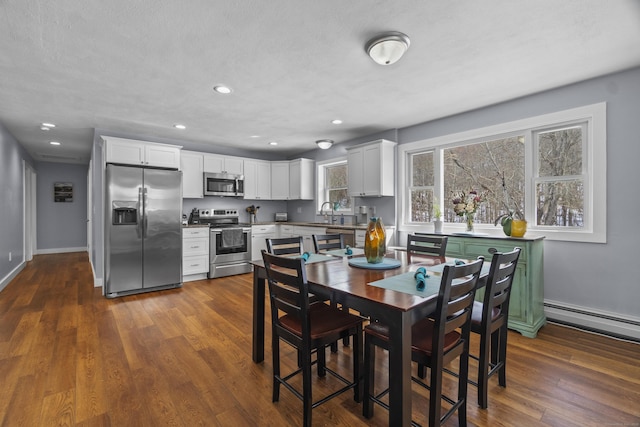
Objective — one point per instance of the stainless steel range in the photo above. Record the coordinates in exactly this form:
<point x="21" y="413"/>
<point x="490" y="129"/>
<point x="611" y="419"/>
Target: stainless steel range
<point x="229" y="242"/>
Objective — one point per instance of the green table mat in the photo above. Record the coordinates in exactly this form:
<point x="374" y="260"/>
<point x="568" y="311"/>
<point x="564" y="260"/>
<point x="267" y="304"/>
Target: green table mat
<point x="406" y="283"/>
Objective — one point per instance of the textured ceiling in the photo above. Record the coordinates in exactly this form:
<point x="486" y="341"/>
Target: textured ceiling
<point x="138" y="67"/>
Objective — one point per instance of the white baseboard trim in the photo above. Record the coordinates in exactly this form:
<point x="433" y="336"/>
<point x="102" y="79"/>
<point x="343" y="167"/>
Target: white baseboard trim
<point x="60" y="250"/>
<point x="9" y="277"/>
<point x="587" y="318"/>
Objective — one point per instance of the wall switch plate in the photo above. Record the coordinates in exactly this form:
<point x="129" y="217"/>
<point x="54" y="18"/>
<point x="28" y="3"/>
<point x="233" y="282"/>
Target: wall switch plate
<point x="299" y="210"/>
<point x="9" y="256"/>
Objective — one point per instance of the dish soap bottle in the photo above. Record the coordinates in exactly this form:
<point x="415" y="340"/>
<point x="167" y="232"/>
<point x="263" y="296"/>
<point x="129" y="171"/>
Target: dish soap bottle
<point x="375" y="242"/>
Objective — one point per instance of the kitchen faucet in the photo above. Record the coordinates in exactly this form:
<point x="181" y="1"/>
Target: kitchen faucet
<point x="332" y="211"/>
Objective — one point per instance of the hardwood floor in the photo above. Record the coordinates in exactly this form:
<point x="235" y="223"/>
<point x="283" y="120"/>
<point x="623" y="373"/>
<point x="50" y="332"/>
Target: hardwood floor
<point x="69" y="356"/>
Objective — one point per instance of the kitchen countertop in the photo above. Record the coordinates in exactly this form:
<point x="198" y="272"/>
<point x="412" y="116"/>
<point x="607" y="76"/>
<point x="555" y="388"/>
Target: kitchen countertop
<point x="319" y="224"/>
<point x="302" y="224"/>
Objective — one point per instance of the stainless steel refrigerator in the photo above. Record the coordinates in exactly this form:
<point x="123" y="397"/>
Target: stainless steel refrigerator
<point x="143" y="236"/>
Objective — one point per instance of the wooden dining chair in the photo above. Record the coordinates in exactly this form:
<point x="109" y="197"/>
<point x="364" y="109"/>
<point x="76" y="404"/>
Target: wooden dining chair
<point x="285" y="246"/>
<point x="489" y="320"/>
<point x="308" y="328"/>
<point x="436" y="341"/>
<point x="426" y="244"/>
<point x="323" y="242"/>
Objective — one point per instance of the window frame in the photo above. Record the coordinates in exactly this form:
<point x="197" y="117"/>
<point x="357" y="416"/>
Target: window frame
<point x="594" y="166"/>
<point x="321" y="190"/>
<point x="410" y="186"/>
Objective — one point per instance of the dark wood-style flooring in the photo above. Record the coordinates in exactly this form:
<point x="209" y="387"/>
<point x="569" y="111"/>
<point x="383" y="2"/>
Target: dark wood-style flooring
<point x="69" y="356"/>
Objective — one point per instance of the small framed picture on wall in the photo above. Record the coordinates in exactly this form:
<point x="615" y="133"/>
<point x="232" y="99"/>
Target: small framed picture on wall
<point x="63" y="192"/>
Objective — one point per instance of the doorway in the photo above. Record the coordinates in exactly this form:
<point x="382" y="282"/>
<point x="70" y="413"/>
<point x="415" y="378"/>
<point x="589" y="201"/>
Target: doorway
<point x="29" y="220"/>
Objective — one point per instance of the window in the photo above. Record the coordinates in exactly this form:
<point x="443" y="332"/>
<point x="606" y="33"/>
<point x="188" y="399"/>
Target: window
<point x="549" y="169"/>
<point x="332" y="179"/>
<point x="421" y="177"/>
<point x="560" y="180"/>
<point x="494" y="169"/>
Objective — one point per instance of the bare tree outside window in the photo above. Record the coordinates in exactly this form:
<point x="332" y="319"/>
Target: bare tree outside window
<point x="560" y="181"/>
<point x="421" y="187"/>
<point x="336" y="178"/>
<point x="493" y="168"/>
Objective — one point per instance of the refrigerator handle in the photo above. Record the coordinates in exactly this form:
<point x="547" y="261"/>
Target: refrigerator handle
<point x="138" y="214"/>
<point x="144" y="216"/>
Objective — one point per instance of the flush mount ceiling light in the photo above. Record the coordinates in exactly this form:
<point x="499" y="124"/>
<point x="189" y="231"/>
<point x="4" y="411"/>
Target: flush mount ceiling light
<point x="336" y="122"/>
<point x="273" y="143"/>
<point x="222" y="89"/>
<point x="324" y="144"/>
<point x="179" y="126"/>
<point x="54" y="143"/>
<point x="387" y="48"/>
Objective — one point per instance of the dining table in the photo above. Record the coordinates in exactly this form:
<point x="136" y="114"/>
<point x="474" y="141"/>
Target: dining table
<point x="374" y="291"/>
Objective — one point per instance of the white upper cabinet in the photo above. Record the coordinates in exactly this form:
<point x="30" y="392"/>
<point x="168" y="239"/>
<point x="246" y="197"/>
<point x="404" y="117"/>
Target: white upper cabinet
<point x="301" y="179"/>
<point x="191" y="164"/>
<point x="141" y="153"/>
<point x="257" y="179"/>
<point x="223" y="164"/>
<point x="371" y="169"/>
<point x="292" y="180"/>
<point x="280" y="180"/>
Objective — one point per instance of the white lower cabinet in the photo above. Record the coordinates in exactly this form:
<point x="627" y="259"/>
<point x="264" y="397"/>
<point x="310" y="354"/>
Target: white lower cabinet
<point x="360" y="238"/>
<point x="259" y="236"/>
<point x="195" y="253"/>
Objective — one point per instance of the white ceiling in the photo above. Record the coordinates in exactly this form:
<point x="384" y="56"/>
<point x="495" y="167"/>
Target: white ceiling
<point x="139" y="67"/>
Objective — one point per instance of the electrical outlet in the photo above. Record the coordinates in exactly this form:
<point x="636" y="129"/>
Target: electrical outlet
<point x="9" y="256"/>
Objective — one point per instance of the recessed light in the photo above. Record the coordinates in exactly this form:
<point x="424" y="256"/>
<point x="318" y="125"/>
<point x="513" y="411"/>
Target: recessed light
<point x="179" y="126"/>
<point x="336" y="122"/>
<point x="43" y="127"/>
<point x="222" y="89"/>
<point x="54" y="143"/>
<point x="254" y="136"/>
<point x="273" y="143"/>
<point x="49" y="125"/>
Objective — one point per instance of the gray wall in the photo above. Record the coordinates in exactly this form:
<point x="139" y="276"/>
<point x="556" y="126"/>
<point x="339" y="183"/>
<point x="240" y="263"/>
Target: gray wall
<point x="11" y="203"/>
<point x="62" y="227"/>
<point x="594" y="276"/>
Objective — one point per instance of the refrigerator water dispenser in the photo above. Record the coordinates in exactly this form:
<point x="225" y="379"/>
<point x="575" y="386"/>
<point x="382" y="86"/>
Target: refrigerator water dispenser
<point x="125" y="213"/>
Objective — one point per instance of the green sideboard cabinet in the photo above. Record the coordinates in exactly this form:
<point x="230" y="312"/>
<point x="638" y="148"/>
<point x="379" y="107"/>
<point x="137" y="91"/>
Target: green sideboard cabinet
<point x="526" y="310"/>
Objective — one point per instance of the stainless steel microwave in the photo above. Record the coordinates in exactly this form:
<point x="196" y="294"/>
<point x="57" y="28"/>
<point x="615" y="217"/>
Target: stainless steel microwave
<point x="223" y="184"/>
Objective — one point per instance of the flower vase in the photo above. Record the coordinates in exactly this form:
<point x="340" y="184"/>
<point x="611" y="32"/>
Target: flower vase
<point x="437" y="226"/>
<point x="469" y="217"/>
<point x="375" y="243"/>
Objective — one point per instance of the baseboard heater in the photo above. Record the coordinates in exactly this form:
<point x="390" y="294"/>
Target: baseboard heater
<point x="607" y="323"/>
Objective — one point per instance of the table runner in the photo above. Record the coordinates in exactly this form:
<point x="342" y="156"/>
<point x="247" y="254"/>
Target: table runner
<point x="406" y="283"/>
<point x="341" y="252"/>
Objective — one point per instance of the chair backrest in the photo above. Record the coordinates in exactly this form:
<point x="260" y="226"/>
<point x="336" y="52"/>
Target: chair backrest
<point x="498" y="290"/>
<point x="285" y="246"/>
<point x="423" y="244"/>
<point x="288" y="289"/>
<point x="455" y="303"/>
<point x="323" y="242"/>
